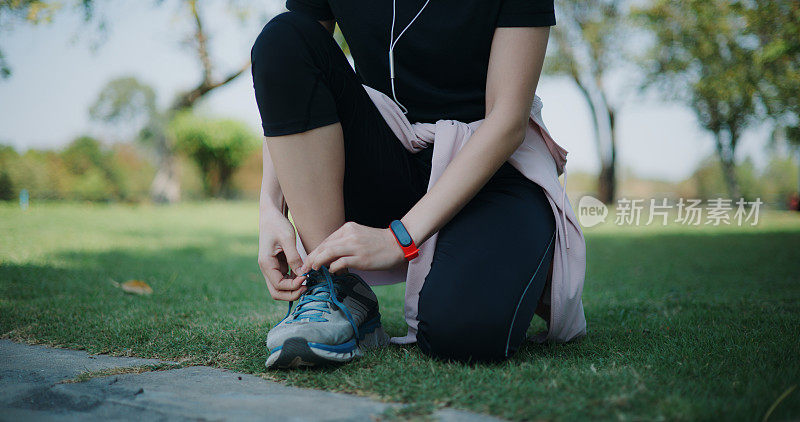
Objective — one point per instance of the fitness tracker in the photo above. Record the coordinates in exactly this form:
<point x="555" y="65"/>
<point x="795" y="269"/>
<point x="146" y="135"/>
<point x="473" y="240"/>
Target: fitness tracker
<point x="404" y="239"/>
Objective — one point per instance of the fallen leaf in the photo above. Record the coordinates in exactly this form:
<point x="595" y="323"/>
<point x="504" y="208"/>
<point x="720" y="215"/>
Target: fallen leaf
<point x="136" y="287"/>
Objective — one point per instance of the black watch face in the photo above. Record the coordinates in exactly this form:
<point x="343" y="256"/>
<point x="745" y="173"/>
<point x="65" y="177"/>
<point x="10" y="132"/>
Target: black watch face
<point x="401" y="233"/>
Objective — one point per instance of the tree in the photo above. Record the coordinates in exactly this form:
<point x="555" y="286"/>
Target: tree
<point x="125" y="101"/>
<point x="703" y="56"/>
<point x="218" y="146"/>
<point x="776" y="26"/>
<point x="587" y="43"/>
<point x="166" y="183"/>
<point x="7" y="190"/>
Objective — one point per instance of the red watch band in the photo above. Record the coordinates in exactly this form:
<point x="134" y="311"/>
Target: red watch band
<point x="410" y="250"/>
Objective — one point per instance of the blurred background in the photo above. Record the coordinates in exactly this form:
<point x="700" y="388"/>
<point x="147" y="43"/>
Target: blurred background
<point x="151" y="101"/>
<point x="109" y="109"/>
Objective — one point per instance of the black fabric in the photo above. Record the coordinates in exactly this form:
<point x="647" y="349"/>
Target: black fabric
<point x="488" y="272"/>
<point x="491" y="260"/>
<point x="303" y="81"/>
<point x="441" y="61"/>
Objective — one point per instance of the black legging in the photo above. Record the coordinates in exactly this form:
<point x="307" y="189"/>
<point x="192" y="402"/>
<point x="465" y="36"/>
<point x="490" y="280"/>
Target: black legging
<point x="491" y="260"/>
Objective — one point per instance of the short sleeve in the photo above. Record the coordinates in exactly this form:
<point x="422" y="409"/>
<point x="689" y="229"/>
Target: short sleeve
<point x="526" y="13"/>
<point x="317" y="9"/>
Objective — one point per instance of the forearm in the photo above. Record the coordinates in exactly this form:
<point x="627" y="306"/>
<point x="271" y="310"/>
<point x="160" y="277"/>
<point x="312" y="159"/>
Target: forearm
<point x="489" y="147"/>
<point x="271" y="198"/>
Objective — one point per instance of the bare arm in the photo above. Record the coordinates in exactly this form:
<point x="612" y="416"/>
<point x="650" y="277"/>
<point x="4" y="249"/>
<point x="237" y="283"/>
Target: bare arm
<point x="271" y="199"/>
<point x="277" y="249"/>
<point x="515" y="63"/>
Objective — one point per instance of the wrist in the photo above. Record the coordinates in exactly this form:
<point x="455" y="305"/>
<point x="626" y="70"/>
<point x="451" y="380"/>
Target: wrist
<point x="415" y="228"/>
<point x="270" y="211"/>
<point x="393" y="246"/>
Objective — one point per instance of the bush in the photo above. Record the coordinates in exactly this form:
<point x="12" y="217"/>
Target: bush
<point x="7" y="191"/>
<point x="84" y="170"/>
<point x="217" y="146"/>
<point x="774" y="184"/>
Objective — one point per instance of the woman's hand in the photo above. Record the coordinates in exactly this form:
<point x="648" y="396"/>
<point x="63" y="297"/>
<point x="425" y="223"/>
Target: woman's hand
<point x="277" y="253"/>
<point x="356" y="246"/>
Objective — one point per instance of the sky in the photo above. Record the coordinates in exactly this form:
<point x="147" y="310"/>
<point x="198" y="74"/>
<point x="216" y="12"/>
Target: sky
<point x="61" y="67"/>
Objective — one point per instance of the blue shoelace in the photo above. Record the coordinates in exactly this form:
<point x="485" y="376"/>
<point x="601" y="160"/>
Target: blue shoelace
<point x="319" y="300"/>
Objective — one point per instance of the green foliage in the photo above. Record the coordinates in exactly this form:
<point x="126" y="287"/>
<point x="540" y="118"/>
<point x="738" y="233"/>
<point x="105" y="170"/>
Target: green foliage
<point x="217" y="146"/>
<point x="710" y="181"/>
<point x="703" y="55"/>
<point x="776" y="26"/>
<point x="779" y="180"/>
<point x="774" y="184"/>
<point x="124" y="100"/>
<point x="83" y="154"/>
<point x="602" y="25"/>
<point x="34" y="11"/>
<point x="84" y="170"/>
<point x="7" y="191"/>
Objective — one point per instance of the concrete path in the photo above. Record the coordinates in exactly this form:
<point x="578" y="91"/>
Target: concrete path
<point x="32" y="387"/>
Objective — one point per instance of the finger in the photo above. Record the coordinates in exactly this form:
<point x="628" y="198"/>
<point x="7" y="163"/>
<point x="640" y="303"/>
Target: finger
<point x="266" y="262"/>
<point x="270" y="268"/>
<point x="334" y="238"/>
<point x="290" y="284"/>
<point x="306" y="267"/>
<point x="289" y="247"/>
<point x="341" y="264"/>
<point x="276" y="277"/>
<point x="330" y="253"/>
<point x="286" y="295"/>
<point x="273" y="276"/>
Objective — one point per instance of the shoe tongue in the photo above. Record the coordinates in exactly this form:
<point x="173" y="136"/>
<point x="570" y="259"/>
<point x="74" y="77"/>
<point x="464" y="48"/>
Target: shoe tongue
<point x="318" y="288"/>
<point x="316" y="279"/>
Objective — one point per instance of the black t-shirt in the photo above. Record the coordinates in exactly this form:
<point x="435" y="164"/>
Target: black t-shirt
<point x="442" y="59"/>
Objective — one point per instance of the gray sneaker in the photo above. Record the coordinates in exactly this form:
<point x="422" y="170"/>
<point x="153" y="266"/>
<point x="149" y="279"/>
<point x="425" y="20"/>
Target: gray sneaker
<point x="325" y="329"/>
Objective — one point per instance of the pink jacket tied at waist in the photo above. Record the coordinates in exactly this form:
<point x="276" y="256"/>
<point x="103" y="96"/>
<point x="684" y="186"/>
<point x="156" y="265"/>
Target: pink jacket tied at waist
<point x="539" y="159"/>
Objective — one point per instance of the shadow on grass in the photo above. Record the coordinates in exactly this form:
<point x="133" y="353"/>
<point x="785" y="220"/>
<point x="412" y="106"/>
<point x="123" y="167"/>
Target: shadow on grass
<point x="681" y="326"/>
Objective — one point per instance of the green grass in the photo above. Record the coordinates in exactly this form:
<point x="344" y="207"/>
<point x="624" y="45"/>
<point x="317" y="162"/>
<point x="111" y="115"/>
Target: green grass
<point x="684" y="323"/>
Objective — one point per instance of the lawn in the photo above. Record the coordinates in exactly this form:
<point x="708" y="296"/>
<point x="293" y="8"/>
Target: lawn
<point x="685" y="323"/>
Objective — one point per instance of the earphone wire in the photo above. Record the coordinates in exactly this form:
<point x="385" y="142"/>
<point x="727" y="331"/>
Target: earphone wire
<point x="393" y="42"/>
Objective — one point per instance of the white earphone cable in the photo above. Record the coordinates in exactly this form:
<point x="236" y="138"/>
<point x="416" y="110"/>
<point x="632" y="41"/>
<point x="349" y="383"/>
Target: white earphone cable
<point x="393" y="42"/>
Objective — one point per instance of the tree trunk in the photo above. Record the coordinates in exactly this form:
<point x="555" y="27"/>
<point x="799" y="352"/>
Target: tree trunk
<point x="607" y="180"/>
<point x="606" y="151"/>
<point x="726" y="158"/>
<point x="798" y="176"/>
<point x="166" y="187"/>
